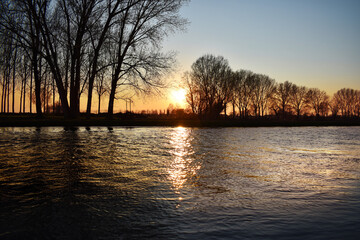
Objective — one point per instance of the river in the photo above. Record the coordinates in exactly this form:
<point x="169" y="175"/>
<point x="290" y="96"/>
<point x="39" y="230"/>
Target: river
<point x="180" y="183"/>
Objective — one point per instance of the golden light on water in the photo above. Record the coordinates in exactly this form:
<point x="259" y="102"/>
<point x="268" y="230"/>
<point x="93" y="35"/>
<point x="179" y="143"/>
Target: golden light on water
<point x="181" y="167"/>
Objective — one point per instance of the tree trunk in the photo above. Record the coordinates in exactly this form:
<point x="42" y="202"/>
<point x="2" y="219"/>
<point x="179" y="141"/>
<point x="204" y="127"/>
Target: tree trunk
<point x="53" y="93"/>
<point x="13" y="85"/>
<point x="44" y="94"/>
<point x="8" y="94"/>
<point x="234" y="114"/>
<point x="24" y="99"/>
<point x="96" y="57"/>
<point x="31" y="90"/>
<point x="2" y="94"/>
<point x="37" y="80"/>
<point x="99" y="104"/>
<point x="67" y="73"/>
<point x="21" y="96"/>
<point x="61" y="90"/>
<point x="90" y="92"/>
<point x="75" y="84"/>
<point x="111" y="99"/>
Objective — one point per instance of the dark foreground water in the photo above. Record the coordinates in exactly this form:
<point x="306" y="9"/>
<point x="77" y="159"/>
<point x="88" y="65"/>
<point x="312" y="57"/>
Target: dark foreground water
<point x="180" y="183"/>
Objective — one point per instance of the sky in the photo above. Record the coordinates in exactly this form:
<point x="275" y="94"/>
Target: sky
<point x="312" y="43"/>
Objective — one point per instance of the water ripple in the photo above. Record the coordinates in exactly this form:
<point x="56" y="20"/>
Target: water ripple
<point x="179" y="183"/>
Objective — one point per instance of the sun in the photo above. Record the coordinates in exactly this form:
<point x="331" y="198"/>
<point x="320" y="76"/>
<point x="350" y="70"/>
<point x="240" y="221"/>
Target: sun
<point x="178" y="96"/>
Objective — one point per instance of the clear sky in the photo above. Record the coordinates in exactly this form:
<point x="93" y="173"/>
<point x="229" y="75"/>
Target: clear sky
<point x="313" y="43"/>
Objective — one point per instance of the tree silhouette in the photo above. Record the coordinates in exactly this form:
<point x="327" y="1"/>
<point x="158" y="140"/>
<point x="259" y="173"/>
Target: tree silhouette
<point x="73" y="39"/>
<point x="298" y="98"/>
<point x="210" y="85"/>
<point x="318" y="100"/>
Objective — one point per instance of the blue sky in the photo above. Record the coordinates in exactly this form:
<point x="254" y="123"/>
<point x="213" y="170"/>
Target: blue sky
<point x="315" y="43"/>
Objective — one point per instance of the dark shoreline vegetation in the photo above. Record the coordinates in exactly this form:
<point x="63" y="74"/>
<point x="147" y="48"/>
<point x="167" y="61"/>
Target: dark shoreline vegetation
<point x="138" y="120"/>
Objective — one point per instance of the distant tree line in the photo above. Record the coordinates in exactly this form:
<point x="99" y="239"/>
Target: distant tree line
<point x="58" y="50"/>
<point x="212" y="88"/>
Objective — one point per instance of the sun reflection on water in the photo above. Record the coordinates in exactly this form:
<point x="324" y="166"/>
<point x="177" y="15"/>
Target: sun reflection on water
<point x="181" y="167"/>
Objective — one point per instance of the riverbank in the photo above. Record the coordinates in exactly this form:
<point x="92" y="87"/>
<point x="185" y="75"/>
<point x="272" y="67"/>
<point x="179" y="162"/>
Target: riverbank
<point x="30" y="120"/>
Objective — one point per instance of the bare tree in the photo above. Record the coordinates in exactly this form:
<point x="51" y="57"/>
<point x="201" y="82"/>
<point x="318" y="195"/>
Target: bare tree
<point x="72" y="38"/>
<point x="282" y="97"/>
<point x="237" y="81"/>
<point x="77" y="17"/>
<point x="318" y="100"/>
<point x="6" y="52"/>
<point x="347" y="100"/>
<point x="211" y="84"/>
<point x="193" y="97"/>
<point x="262" y="90"/>
<point x="17" y="18"/>
<point x="101" y="87"/>
<point x="298" y="98"/>
<point x="357" y="103"/>
<point x="138" y="61"/>
<point x="334" y="106"/>
<point x="244" y="91"/>
<point x="99" y="34"/>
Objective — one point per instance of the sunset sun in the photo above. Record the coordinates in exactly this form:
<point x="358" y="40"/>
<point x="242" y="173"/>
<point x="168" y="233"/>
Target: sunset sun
<point x="178" y="96"/>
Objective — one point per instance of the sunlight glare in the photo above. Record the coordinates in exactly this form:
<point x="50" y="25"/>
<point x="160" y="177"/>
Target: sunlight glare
<point x="182" y="166"/>
<point x="178" y="96"/>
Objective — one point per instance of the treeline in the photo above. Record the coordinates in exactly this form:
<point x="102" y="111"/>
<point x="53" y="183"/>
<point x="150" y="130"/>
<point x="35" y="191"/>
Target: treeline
<point x="60" y="50"/>
<point x="213" y="87"/>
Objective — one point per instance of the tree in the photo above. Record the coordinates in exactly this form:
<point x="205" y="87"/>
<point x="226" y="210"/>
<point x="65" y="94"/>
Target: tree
<point x="263" y="88"/>
<point x="334" y="106"/>
<point x="98" y="37"/>
<point x="236" y="80"/>
<point x="347" y="100"/>
<point x="137" y="60"/>
<point x="77" y="17"/>
<point x="18" y="18"/>
<point x="23" y="74"/>
<point x="73" y="39"/>
<point x="298" y="98"/>
<point x="282" y="97"/>
<point x="193" y="96"/>
<point x="6" y="51"/>
<point x="244" y="91"/>
<point x="318" y="100"/>
<point x="100" y="87"/>
<point x="210" y="84"/>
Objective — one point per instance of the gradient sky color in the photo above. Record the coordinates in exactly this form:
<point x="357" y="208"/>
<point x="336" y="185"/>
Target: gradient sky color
<point x="314" y="43"/>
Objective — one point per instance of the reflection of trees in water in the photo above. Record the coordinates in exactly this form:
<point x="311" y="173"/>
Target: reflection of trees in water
<point x="48" y="189"/>
<point x="73" y="152"/>
<point x="63" y="156"/>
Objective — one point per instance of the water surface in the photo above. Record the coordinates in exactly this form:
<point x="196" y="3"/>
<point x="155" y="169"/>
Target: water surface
<point x="180" y="183"/>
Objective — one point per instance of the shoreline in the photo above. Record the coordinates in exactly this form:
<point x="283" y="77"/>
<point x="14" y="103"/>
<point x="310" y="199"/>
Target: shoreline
<point x="30" y="120"/>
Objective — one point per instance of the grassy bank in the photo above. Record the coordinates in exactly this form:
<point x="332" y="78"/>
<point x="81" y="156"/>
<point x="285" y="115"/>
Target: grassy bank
<point x="30" y="120"/>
